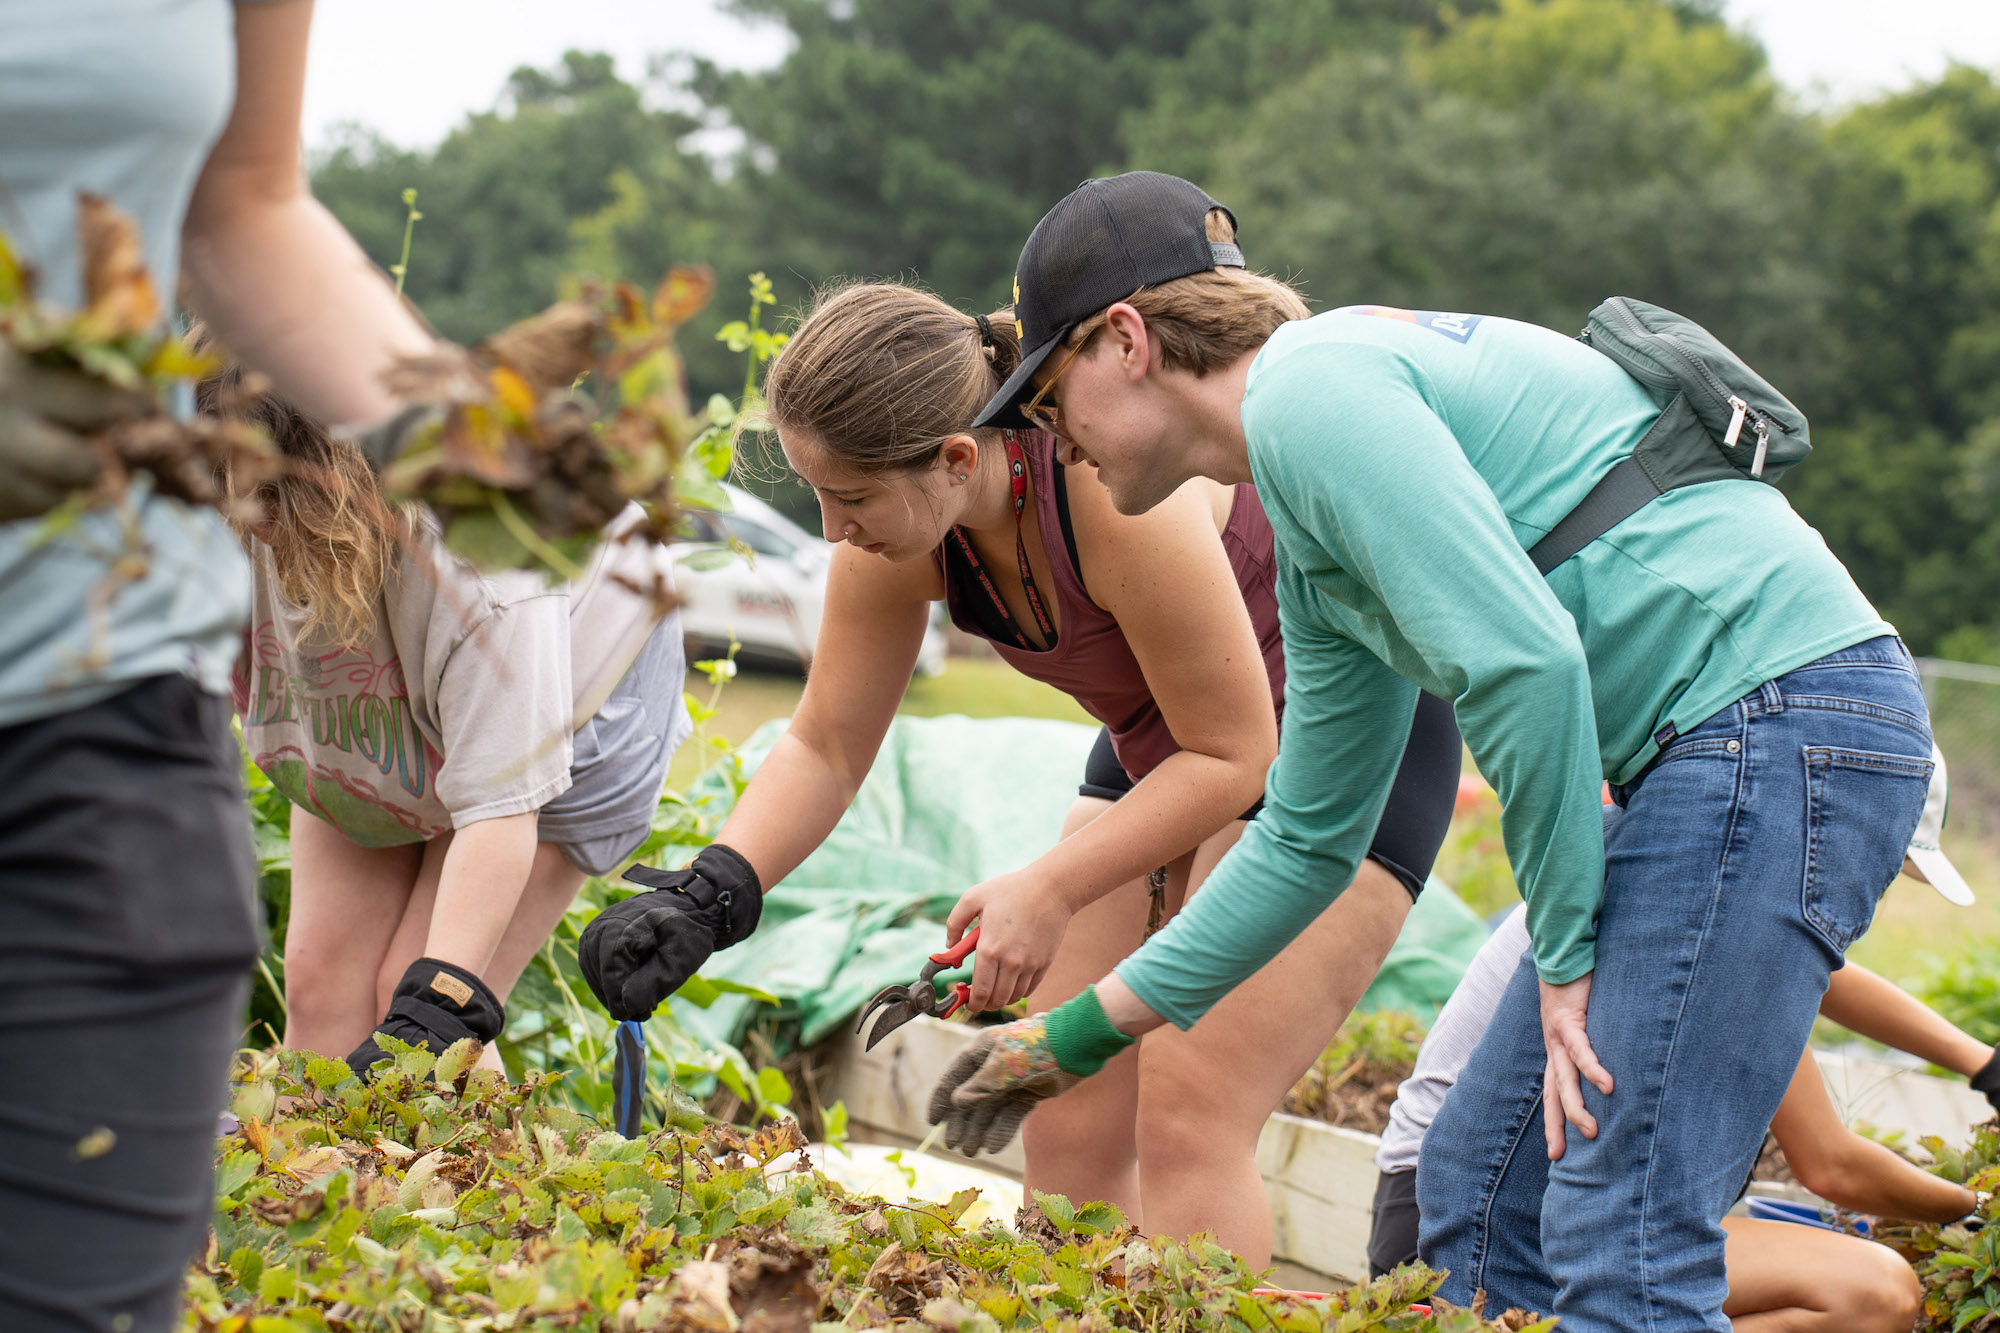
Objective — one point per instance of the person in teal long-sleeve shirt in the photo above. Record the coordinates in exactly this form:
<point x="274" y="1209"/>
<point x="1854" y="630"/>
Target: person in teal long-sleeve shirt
<point x="1708" y="656"/>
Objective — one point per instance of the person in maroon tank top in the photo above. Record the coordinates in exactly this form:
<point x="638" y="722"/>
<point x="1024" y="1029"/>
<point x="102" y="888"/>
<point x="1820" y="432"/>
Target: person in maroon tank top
<point x="1164" y="627"/>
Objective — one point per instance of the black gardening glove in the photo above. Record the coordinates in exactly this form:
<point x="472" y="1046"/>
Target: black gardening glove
<point x="1987" y="1080"/>
<point x="638" y="952"/>
<point x="436" y="1004"/>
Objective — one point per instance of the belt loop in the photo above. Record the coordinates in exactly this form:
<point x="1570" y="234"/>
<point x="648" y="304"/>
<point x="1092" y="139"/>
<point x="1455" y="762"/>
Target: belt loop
<point x="1773" y="698"/>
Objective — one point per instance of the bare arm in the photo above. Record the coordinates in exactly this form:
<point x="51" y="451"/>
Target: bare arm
<point x="869" y="638"/>
<point x="1124" y="1010"/>
<point x="485" y="869"/>
<point x="1166" y="577"/>
<point x="1841" y="1167"/>
<point x="279" y="281"/>
<point x="1880" y="1010"/>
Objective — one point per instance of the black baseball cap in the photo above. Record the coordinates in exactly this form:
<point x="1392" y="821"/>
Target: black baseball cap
<point x="1105" y="240"/>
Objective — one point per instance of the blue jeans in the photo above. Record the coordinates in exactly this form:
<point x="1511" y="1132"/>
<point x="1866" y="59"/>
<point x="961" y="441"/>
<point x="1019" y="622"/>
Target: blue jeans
<point x="1743" y="863"/>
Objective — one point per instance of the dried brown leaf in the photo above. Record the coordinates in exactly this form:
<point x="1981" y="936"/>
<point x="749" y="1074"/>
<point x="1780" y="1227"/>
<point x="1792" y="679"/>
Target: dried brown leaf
<point x="682" y="294"/>
<point x="477" y="445"/>
<point x="771" y="1282"/>
<point x="446" y="375"/>
<point x="699" y="1298"/>
<point x="119" y="299"/>
<point x="551" y="349"/>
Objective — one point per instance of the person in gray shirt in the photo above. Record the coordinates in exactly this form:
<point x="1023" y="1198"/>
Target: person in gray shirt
<point x="1392" y="1238"/>
<point x="127" y="909"/>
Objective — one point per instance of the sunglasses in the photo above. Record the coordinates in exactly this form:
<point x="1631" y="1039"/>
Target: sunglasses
<point x="1041" y="410"/>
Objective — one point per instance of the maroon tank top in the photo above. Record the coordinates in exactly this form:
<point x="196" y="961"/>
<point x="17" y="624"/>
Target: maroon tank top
<point x="1090" y="661"/>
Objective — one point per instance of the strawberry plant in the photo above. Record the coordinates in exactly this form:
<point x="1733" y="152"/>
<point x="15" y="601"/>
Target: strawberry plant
<point x="546" y="430"/>
<point x="1958" y="1264"/>
<point x="442" y="1198"/>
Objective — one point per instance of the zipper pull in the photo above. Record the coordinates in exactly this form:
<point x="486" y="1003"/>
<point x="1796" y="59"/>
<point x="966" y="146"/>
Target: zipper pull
<point x="1763" y="448"/>
<point x="1738" y="409"/>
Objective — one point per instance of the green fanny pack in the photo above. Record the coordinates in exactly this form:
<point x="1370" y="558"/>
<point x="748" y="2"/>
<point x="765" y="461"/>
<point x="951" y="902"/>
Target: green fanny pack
<point x="1719" y="419"/>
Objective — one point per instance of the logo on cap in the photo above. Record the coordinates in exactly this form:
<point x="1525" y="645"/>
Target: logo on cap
<point x="1019" y="332"/>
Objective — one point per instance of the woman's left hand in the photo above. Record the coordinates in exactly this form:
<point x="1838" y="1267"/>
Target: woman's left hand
<point x="1000" y="1076"/>
<point x="1021" y="923"/>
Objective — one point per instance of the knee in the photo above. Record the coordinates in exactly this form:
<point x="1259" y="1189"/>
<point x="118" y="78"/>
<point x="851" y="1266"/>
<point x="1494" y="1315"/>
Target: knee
<point x="1179" y="1130"/>
<point x="1882" y="1293"/>
<point x="1068" y="1132"/>
<point x="317" y="978"/>
<point x="385" y="986"/>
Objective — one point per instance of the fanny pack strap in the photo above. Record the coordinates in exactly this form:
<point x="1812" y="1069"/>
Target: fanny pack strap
<point x="1619" y="494"/>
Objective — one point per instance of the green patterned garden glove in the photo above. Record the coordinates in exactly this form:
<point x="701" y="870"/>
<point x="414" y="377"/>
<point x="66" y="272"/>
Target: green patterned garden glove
<point x="1007" y="1071"/>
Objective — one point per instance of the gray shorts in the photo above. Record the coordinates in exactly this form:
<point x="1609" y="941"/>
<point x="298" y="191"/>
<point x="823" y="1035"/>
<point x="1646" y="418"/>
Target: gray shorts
<point x="619" y="759"/>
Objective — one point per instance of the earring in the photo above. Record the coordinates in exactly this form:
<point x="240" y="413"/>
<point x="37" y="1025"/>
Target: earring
<point x="961" y="476"/>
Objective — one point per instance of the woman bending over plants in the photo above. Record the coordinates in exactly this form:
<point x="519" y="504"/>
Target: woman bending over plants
<point x="1164" y="626"/>
<point x="461" y="749"/>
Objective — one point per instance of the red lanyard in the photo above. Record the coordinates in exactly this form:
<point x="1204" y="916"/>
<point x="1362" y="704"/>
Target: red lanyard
<point x="1017" y="476"/>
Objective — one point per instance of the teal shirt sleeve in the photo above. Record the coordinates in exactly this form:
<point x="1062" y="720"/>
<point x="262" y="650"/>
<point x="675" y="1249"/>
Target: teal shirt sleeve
<point x="1375" y="476"/>
<point x="1347" y="717"/>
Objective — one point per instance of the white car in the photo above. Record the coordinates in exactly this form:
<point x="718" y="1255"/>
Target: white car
<point x="770" y="600"/>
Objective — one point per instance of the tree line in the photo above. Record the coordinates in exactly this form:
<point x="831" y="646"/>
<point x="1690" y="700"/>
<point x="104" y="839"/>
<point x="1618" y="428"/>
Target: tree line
<point x="1514" y="157"/>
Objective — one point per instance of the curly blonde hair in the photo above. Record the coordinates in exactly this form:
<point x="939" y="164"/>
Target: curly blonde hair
<point x="332" y="535"/>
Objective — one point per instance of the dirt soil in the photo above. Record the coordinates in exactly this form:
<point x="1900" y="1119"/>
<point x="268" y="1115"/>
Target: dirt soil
<point x="1357" y="1095"/>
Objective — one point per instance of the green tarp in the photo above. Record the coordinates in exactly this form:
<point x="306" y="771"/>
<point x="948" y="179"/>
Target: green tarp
<point x="952" y="801"/>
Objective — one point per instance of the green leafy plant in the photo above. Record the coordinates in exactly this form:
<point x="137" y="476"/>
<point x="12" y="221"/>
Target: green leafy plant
<point x="401" y="268"/>
<point x="443" y="1198"/>
<point x="270" y="832"/>
<point x="1959" y="1264"/>
<point x="1965" y="988"/>
<point x="712" y="453"/>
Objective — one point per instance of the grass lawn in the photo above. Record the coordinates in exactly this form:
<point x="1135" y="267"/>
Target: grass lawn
<point x="974" y="686"/>
<point x="1913" y="922"/>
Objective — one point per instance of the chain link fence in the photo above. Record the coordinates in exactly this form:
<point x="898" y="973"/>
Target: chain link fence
<point x="1964" y="700"/>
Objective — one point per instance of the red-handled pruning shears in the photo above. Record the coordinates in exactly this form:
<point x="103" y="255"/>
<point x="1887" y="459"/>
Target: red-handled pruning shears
<point x="899" y="1004"/>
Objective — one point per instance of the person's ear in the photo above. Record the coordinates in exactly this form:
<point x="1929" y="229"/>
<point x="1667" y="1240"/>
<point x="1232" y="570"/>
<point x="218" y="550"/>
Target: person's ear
<point x="1125" y="330"/>
<point x="959" y="457"/>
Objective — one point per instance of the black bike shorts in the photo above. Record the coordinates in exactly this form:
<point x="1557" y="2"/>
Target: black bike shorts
<point x="1420" y="803"/>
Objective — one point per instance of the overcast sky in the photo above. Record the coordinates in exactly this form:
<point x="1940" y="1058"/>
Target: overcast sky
<point x="410" y="69"/>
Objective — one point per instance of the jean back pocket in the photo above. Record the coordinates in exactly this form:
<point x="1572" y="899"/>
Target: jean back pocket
<point x="1861" y="808"/>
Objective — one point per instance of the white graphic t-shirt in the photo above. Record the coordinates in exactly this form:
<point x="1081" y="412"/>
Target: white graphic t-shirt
<point x="462" y="705"/>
